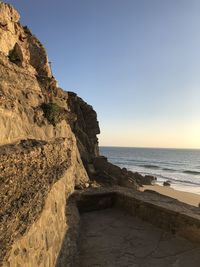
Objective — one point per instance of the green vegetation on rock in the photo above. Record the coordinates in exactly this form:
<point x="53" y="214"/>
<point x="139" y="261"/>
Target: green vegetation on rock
<point x="53" y="112"/>
<point x="13" y="57"/>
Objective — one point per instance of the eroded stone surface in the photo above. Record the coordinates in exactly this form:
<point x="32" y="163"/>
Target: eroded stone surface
<point x="110" y="238"/>
<point x="30" y="53"/>
<point x="86" y="127"/>
<point x="41" y="244"/>
<point x="28" y="171"/>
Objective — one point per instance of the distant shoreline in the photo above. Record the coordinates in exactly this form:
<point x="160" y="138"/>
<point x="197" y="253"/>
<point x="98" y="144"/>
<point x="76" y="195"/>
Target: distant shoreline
<point x="178" y="166"/>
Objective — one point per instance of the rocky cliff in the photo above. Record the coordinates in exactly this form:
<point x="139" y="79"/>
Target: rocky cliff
<point x="86" y="129"/>
<point x="38" y="148"/>
<point x="48" y="147"/>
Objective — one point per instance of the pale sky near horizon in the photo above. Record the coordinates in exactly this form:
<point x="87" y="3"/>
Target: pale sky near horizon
<point x="137" y="62"/>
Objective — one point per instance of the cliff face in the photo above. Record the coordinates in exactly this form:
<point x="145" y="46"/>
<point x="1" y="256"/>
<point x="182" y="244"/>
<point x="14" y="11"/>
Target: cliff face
<point x="85" y="128"/>
<point x="38" y="149"/>
<point x="20" y="45"/>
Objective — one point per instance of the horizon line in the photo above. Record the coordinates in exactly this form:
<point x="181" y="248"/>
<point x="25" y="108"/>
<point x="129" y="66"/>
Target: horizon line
<point x="184" y="148"/>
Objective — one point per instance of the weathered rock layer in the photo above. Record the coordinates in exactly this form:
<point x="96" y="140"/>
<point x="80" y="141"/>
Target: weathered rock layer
<point x="38" y="148"/>
<point x="28" y="171"/>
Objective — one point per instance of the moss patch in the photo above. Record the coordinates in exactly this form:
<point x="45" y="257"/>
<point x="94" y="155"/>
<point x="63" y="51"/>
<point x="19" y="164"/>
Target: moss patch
<point x="13" y="57"/>
<point x="54" y="113"/>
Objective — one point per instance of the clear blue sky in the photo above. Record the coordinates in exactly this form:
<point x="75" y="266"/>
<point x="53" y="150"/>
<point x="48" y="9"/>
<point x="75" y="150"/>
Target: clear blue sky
<point x="136" y="61"/>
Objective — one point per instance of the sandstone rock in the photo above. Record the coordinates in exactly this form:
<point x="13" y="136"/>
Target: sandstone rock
<point x="8" y="13"/>
<point x="85" y="128"/>
<point x="22" y="47"/>
<point x="124" y="170"/>
<point x="34" y="152"/>
<point x="16" y="55"/>
<point x="167" y="183"/>
<point x="146" y="180"/>
<point x="87" y="185"/>
<point x="9" y="18"/>
<point x="110" y="174"/>
<point x="28" y="171"/>
<point x="108" y="171"/>
<point x="94" y="184"/>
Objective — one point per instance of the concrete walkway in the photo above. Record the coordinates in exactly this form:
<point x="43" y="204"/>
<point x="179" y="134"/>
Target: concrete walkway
<point x="110" y="238"/>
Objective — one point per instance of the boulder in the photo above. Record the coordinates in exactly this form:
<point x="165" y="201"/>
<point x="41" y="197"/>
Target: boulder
<point x="120" y="176"/>
<point x="141" y="179"/>
<point x="149" y="180"/>
<point x="166" y="183"/>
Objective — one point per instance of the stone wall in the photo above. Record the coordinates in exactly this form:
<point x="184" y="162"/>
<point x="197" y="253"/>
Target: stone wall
<point x="33" y="229"/>
<point x="28" y="171"/>
<point x="164" y="212"/>
<point x="68" y="251"/>
<point x="40" y="246"/>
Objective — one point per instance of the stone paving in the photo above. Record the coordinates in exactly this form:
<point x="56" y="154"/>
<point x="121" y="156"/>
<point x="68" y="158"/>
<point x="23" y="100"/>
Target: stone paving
<point x="110" y="238"/>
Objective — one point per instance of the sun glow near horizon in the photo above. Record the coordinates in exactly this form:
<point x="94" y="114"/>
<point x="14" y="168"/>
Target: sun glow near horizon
<point x="187" y="137"/>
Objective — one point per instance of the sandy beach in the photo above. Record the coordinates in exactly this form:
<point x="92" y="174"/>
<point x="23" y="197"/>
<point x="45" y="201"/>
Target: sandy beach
<point x="186" y="197"/>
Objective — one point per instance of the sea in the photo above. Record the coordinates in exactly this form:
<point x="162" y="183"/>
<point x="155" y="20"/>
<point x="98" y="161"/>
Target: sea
<point x="180" y="166"/>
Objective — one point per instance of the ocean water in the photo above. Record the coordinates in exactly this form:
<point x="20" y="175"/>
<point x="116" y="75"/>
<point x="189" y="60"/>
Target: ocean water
<point x="180" y="166"/>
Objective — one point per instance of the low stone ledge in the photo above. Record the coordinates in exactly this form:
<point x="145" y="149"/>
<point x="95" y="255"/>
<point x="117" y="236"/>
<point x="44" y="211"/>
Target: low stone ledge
<point x="164" y="212"/>
<point x="175" y="221"/>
